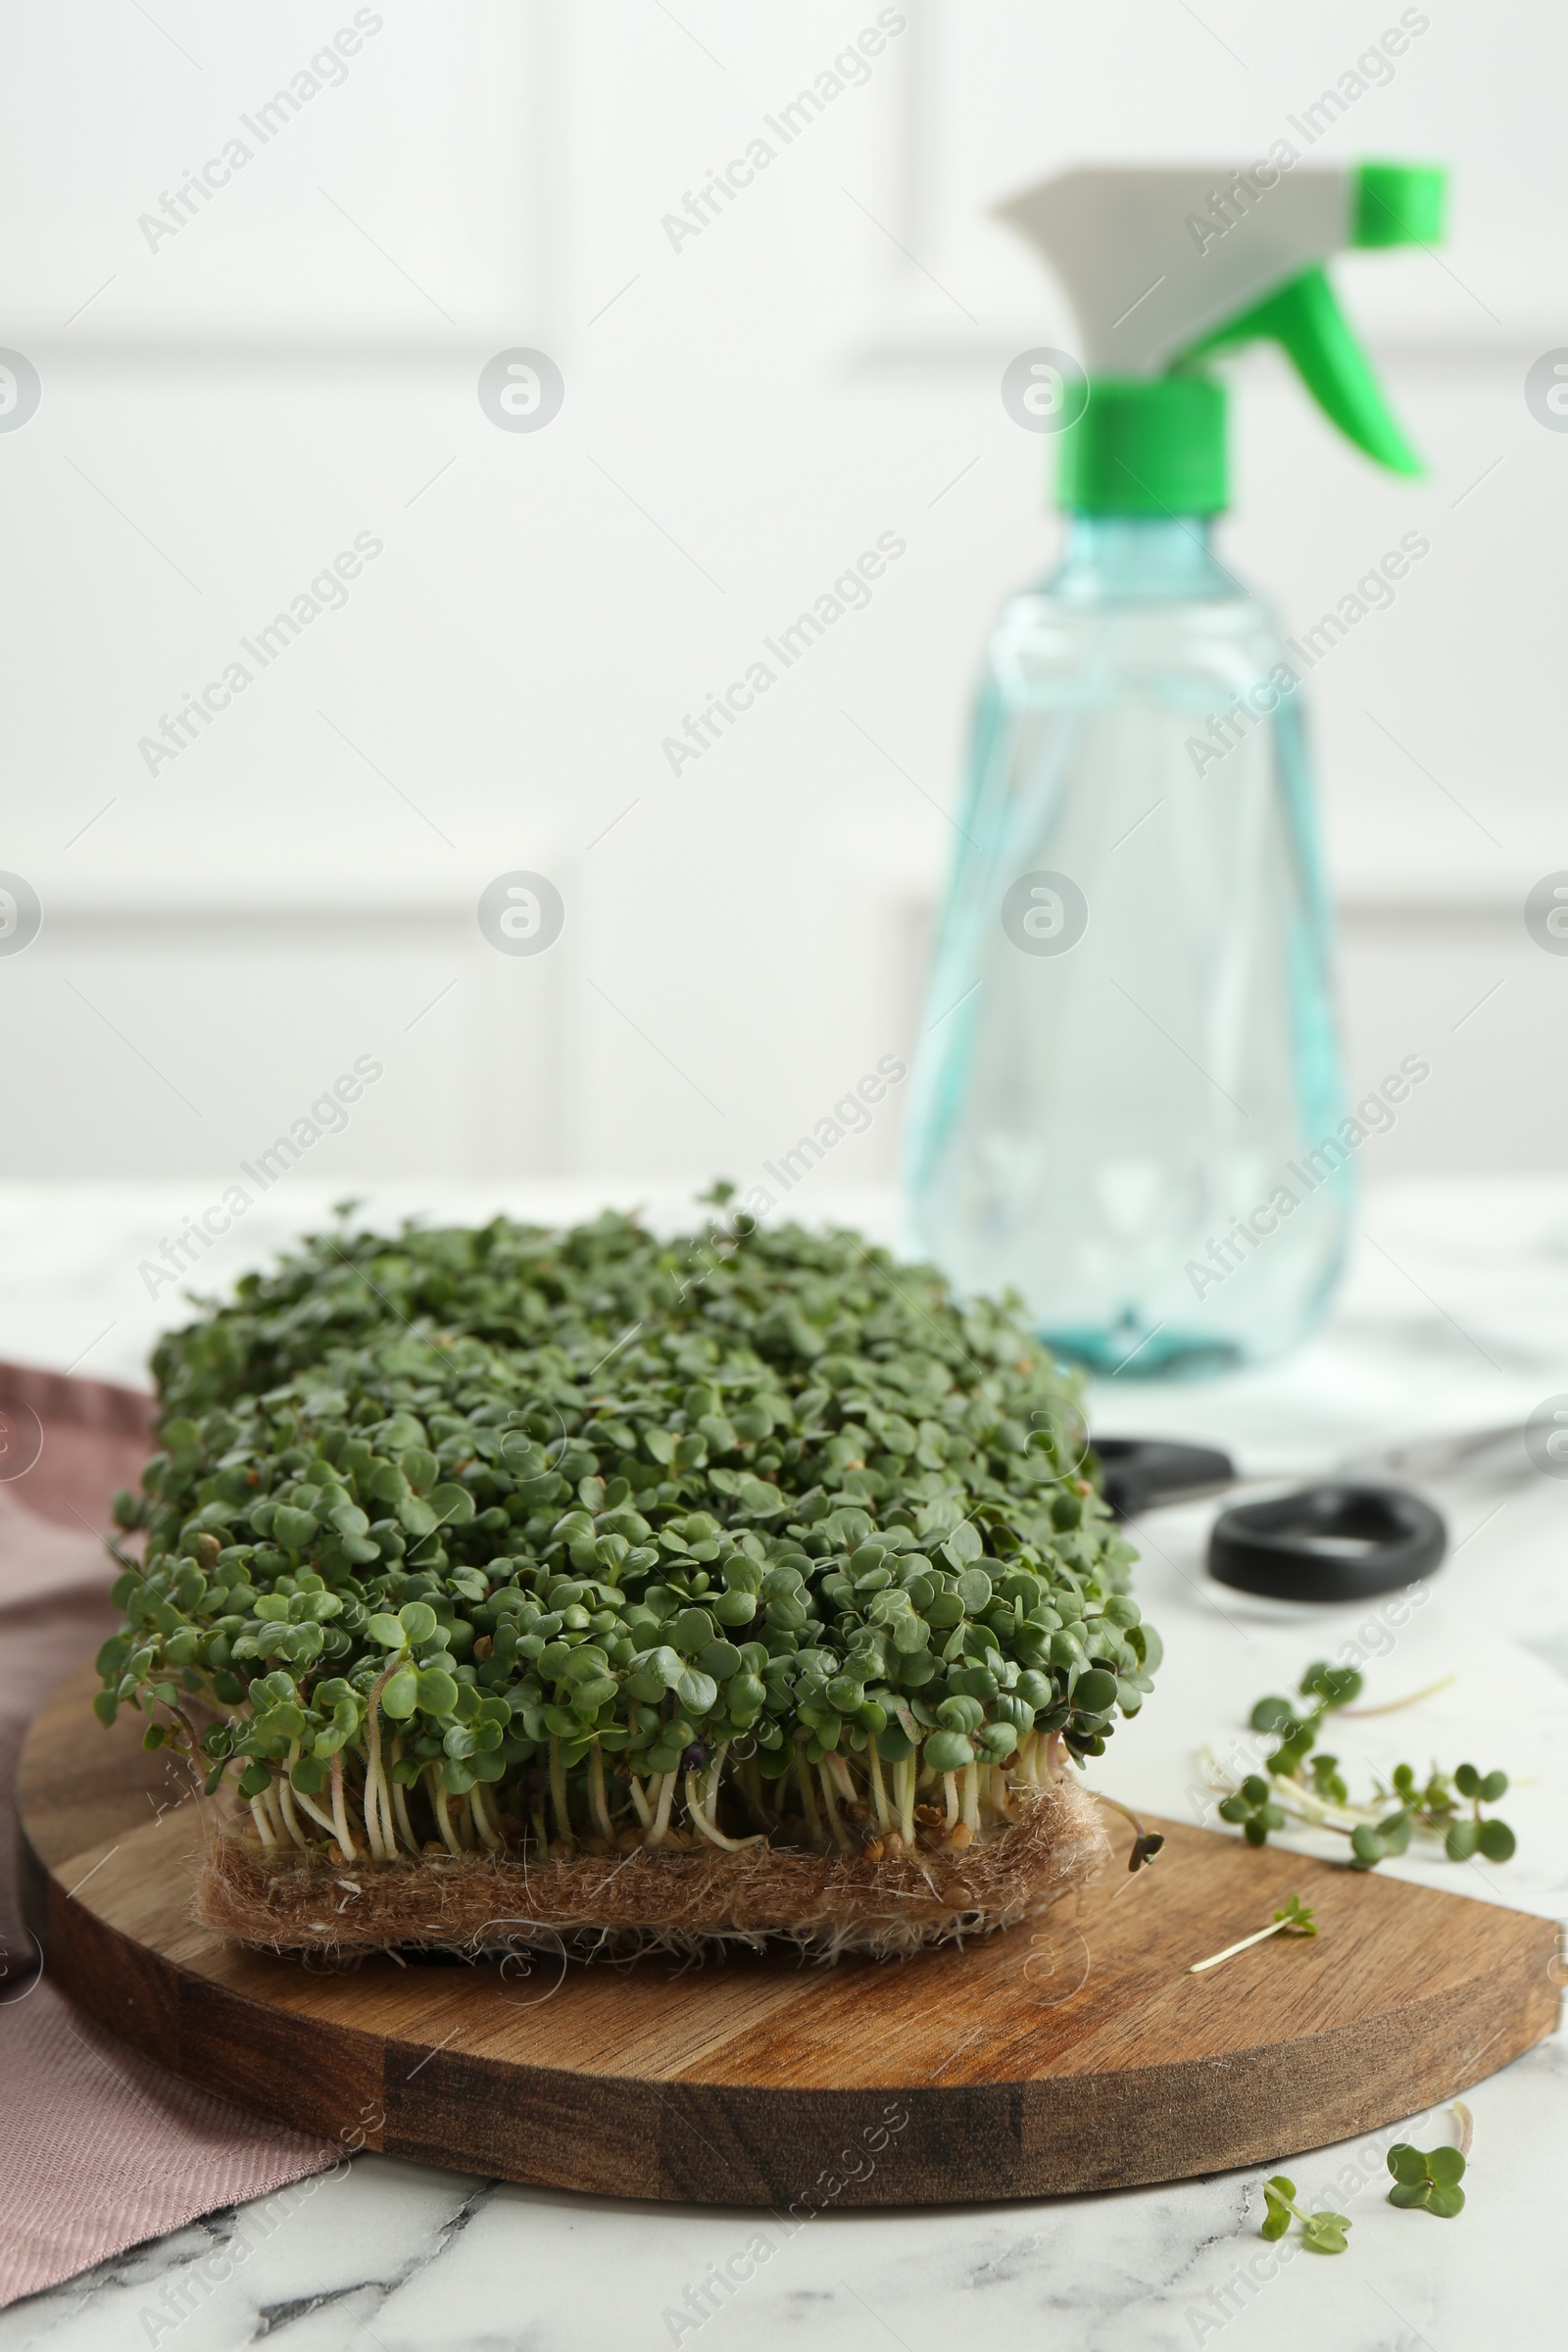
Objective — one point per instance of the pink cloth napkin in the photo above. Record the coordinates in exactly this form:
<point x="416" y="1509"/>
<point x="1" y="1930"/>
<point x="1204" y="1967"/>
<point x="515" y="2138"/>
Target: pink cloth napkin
<point x="99" y="2147"/>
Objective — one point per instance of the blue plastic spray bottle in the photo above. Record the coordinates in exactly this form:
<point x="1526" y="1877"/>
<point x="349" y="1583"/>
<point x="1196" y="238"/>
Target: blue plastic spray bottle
<point x="1127" y="1101"/>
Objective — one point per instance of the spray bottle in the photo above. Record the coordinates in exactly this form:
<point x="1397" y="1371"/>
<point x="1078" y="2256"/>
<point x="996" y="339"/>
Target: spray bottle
<point x="1128" y="1103"/>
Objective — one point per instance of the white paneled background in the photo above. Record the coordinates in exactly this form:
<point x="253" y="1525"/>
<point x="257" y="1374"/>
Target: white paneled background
<point x="221" y="414"/>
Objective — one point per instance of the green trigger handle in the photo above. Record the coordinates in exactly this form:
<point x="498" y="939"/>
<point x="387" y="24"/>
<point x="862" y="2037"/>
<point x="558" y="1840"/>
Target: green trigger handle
<point x="1395" y="205"/>
<point x="1305" y="320"/>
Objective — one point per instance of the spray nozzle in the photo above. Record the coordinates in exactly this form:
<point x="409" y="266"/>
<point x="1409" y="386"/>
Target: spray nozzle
<point x="1166" y="268"/>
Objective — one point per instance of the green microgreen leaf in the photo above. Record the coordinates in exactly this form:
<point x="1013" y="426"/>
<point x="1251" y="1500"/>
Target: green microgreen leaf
<point x="1426" y="2180"/>
<point x="1324" y="2233"/>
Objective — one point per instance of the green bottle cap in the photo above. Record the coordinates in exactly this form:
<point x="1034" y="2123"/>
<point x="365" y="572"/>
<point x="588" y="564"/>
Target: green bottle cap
<point x="1150" y="445"/>
<point x="1398" y="203"/>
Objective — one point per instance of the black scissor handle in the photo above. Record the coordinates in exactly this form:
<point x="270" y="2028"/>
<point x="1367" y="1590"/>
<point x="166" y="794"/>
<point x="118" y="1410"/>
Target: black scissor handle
<point x="1330" y="1542"/>
<point x="1140" y="1473"/>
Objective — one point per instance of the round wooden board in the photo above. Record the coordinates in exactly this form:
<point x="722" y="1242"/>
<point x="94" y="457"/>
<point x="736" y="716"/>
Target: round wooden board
<point x="1077" y="2053"/>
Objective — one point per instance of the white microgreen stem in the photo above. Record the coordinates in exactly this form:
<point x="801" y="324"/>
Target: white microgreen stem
<point x="489" y="1835"/>
<point x="907" y="1776"/>
<point x="340" y="1817"/>
<point x="372" y="1811"/>
<point x="667" y="1797"/>
<point x="596" y="1791"/>
<point x="971" y="1799"/>
<point x="1116" y="1807"/>
<point x="379" y="1813"/>
<point x="315" y="1811"/>
<point x="558" y="1793"/>
<point x="275" y="1811"/>
<point x="710" y="1792"/>
<point x="1231" y="1949"/>
<point x="841" y="1837"/>
<point x="400" y="1801"/>
<point x="704" y="1826"/>
<point x="879" y="1795"/>
<point x="950" y="1794"/>
<point x="286" y="1798"/>
<point x="749" y="1782"/>
<point x="263" y="1828"/>
<point x="438" y="1806"/>
<point x="639" y="1799"/>
<point x="1467" y="2125"/>
<point x="1392" y="1706"/>
<point x="802" y="1774"/>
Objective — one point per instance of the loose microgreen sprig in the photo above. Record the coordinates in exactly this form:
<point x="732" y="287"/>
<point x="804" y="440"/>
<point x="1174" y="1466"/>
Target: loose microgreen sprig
<point x="1294" y="1920"/>
<point x="510" y="1537"/>
<point x="1303" y="1782"/>
<point x="1426" y="2180"/>
<point x="1324" y="2233"/>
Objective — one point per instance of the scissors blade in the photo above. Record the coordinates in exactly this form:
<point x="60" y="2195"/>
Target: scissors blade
<point x="1494" y="1457"/>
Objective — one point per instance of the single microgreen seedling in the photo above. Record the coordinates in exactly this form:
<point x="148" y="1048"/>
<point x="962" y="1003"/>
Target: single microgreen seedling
<point x="1294" y="1920"/>
<point x="1428" y="2178"/>
<point x="1324" y="2233"/>
<point x="1252" y="1806"/>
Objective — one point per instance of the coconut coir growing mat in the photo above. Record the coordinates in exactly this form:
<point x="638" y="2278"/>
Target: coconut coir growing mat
<point x="690" y="1904"/>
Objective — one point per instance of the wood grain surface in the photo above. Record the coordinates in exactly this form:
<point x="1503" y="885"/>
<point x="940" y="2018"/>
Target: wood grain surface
<point x="1077" y="2053"/>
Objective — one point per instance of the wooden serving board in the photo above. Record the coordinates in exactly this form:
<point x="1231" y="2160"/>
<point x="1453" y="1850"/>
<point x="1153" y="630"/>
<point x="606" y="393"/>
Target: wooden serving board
<point x="1077" y="2053"/>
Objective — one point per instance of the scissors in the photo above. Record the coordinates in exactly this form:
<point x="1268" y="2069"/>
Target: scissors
<point x="1343" y="1539"/>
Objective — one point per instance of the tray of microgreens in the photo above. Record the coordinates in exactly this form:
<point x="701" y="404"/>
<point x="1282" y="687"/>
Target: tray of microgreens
<point x="748" y="1549"/>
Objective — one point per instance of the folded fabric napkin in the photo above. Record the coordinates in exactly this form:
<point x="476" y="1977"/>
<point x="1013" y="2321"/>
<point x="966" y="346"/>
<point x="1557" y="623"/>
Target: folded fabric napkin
<point x="99" y="2147"/>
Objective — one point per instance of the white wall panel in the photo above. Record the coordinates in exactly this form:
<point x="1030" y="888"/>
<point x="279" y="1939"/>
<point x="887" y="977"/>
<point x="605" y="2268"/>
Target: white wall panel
<point x="746" y="410"/>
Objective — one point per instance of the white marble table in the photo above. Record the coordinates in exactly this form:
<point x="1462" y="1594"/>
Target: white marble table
<point x="1455" y="1315"/>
